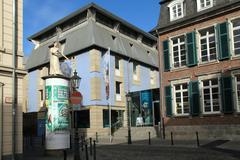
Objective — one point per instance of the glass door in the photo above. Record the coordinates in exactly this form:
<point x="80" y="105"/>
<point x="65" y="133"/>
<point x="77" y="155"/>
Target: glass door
<point x="156" y="112"/>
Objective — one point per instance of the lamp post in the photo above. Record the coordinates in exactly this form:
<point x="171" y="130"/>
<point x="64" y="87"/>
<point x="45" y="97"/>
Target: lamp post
<point x="75" y="82"/>
<point x="128" y="97"/>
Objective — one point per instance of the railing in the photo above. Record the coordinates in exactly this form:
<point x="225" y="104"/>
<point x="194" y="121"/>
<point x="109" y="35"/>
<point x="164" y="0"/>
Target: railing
<point x="117" y="125"/>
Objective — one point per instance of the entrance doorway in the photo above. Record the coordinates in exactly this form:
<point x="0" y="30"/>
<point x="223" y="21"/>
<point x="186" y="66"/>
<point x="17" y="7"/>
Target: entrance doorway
<point x="156" y="112"/>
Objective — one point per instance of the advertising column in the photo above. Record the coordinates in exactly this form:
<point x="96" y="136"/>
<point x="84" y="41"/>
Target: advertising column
<point x="57" y="120"/>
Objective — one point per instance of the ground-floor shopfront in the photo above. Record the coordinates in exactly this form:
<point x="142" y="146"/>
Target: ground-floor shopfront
<point x="143" y="110"/>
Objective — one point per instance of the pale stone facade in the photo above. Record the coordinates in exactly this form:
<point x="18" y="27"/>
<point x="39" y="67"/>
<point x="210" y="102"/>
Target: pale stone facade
<point x="6" y="65"/>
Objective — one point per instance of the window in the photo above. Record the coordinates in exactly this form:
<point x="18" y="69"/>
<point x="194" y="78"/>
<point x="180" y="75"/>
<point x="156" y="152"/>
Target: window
<point x="41" y="94"/>
<point x="135" y="76"/>
<point x="211" y="100"/>
<point x="204" y="4"/>
<point x="152" y="76"/>
<point x="117" y="66"/>
<point x="176" y="10"/>
<point x="181" y="99"/>
<point x="236" y="36"/>
<point x="179" y="51"/>
<point x="208" y="44"/>
<point x="118" y="91"/>
<point x="237" y="77"/>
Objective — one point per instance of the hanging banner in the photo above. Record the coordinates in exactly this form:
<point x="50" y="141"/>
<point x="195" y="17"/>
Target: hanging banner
<point x="106" y="65"/>
<point x="57" y="120"/>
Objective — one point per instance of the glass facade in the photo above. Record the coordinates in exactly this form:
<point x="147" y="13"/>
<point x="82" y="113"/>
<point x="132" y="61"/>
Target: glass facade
<point x="143" y="110"/>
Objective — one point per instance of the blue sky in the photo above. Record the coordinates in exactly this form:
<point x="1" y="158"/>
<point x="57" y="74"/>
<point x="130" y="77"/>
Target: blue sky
<point x="39" y="14"/>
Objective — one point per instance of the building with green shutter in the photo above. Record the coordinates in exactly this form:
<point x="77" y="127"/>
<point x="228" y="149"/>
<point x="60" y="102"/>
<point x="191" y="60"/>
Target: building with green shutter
<point x="199" y="48"/>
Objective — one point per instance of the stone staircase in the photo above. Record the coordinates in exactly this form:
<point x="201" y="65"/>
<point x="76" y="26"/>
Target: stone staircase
<point x="137" y="134"/>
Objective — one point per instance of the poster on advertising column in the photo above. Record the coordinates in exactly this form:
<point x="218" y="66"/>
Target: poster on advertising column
<point x="57" y="103"/>
<point x="57" y="120"/>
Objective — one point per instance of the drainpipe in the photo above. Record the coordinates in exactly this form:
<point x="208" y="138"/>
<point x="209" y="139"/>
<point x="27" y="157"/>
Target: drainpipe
<point x="1" y="118"/>
<point x="128" y="90"/>
<point x="160" y="88"/>
<point x="14" y="99"/>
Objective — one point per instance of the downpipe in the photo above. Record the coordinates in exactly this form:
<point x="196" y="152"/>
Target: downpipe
<point x="14" y="99"/>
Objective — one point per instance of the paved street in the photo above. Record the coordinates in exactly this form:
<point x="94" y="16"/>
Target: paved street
<point x="182" y="150"/>
<point x="123" y="152"/>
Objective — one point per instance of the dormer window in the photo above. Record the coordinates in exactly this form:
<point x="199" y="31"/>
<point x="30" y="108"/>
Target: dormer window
<point x="204" y="4"/>
<point x="176" y="9"/>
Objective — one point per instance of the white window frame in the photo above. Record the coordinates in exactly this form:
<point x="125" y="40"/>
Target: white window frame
<point x="117" y="70"/>
<point x="231" y="36"/>
<point x="208" y="77"/>
<point x="175" y="4"/>
<point x="118" y="95"/>
<point x="179" y="51"/>
<point x="152" y="77"/>
<point x="200" y="8"/>
<point x="174" y="109"/>
<point x="135" y="73"/>
<point x="235" y="96"/>
<point x="208" y="49"/>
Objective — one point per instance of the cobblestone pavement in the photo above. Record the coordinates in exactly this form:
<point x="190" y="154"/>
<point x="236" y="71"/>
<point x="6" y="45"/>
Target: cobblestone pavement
<point x="143" y="152"/>
<point x="182" y="150"/>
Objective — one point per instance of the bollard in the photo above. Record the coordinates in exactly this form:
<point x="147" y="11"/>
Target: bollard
<point x="149" y="138"/>
<point x="64" y="154"/>
<point x="197" y="139"/>
<point x="70" y="141"/>
<point x="90" y="143"/>
<point x="42" y="140"/>
<point x="82" y="142"/>
<point x="31" y="141"/>
<point x="86" y="151"/>
<point x="96" y="137"/>
<point x="172" y="139"/>
<point x="94" y="150"/>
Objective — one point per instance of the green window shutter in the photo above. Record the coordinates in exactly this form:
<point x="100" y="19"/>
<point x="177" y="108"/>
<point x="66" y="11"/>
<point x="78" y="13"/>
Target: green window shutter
<point x="191" y="49"/>
<point x="168" y="101"/>
<point x="223" y="41"/>
<point x="166" y="55"/>
<point x="194" y="98"/>
<point x="227" y="96"/>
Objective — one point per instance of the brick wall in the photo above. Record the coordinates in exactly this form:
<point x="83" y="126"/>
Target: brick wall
<point x="224" y="67"/>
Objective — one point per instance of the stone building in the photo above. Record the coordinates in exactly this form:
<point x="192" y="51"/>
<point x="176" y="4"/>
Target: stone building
<point x="199" y="48"/>
<point x="87" y="36"/>
<point x="10" y="125"/>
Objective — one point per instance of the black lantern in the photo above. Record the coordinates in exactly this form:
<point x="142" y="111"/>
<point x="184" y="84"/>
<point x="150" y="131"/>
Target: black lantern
<point x="129" y="97"/>
<point x="75" y="80"/>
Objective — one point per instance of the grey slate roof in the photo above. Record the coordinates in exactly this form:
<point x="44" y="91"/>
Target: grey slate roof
<point x="93" y="34"/>
<point x="191" y="13"/>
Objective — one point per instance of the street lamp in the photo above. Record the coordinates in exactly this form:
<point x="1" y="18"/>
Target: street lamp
<point x="128" y="97"/>
<point x="75" y="82"/>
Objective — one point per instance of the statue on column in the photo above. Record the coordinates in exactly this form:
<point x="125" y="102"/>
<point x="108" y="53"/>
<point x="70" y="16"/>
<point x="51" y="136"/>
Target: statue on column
<point x="54" y="55"/>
